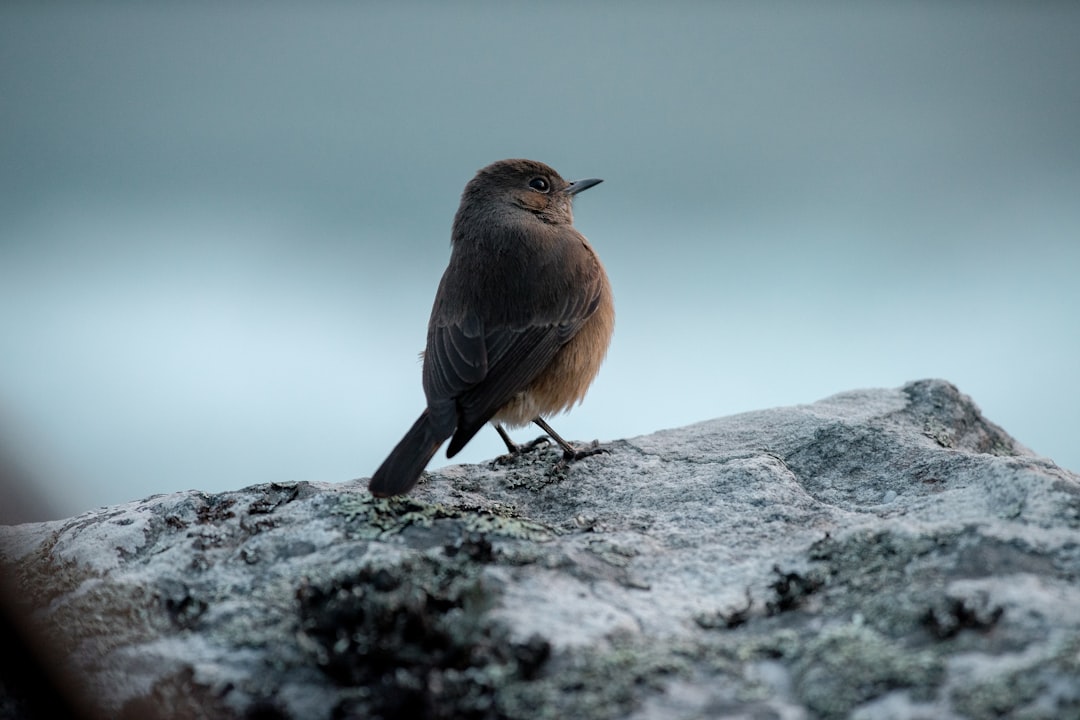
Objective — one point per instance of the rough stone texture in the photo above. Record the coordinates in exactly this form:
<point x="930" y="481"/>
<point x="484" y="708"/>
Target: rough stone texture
<point x="878" y="554"/>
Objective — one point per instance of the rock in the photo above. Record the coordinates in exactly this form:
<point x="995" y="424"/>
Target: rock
<point x="877" y="554"/>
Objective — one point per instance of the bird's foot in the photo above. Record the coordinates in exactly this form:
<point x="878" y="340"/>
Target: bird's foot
<point x="515" y="450"/>
<point x="573" y="454"/>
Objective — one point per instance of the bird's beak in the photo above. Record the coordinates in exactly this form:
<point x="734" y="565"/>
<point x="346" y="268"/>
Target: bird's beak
<point x="578" y="185"/>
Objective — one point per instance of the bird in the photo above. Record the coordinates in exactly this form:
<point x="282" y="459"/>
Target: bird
<point x="521" y="322"/>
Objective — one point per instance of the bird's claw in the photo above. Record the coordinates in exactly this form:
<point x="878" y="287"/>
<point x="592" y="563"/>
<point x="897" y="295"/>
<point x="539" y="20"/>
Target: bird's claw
<point x="519" y="450"/>
<point x="575" y="454"/>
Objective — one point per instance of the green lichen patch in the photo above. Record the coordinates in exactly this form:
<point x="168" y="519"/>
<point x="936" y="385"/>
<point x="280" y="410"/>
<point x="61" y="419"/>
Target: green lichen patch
<point x="379" y="518"/>
<point x="1041" y="686"/>
<point x="890" y="579"/>
<point x="599" y="683"/>
<point x="847" y="665"/>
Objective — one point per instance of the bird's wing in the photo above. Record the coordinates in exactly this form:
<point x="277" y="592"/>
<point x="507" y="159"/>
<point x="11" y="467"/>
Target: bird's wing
<point x="482" y="365"/>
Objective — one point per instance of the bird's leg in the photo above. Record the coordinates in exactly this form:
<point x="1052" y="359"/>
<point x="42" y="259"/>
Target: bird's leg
<point x="513" y="450"/>
<point x="570" y="453"/>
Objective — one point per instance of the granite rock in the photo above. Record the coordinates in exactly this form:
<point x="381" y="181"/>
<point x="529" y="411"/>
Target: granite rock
<point x="877" y="554"/>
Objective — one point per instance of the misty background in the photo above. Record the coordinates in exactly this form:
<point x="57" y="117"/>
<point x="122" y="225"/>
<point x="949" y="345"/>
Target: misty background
<point x="222" y="225"/>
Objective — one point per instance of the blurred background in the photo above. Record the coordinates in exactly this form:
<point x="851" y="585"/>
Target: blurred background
<point x="222" y="225"/>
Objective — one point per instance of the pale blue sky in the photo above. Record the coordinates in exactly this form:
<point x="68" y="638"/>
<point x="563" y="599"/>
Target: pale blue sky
<point x="221" y="226"/>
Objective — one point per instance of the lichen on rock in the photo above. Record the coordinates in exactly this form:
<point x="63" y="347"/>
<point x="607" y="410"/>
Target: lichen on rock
<point x="880" y="553"/>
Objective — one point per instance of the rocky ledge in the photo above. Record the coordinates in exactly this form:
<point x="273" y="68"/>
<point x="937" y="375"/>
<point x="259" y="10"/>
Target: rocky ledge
<point x="877" y="554"/>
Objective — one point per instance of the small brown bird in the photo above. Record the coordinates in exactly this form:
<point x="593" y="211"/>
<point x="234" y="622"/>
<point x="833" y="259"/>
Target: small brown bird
<point x="521" y="321"/>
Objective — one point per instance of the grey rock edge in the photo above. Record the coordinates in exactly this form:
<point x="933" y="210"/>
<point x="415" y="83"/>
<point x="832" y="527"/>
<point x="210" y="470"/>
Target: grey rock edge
<point x="877" y="554"/>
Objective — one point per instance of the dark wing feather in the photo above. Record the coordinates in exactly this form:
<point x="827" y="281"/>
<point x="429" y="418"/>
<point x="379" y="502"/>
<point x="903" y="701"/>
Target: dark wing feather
<point x="516" y="358"/>
<point x="455" y="360"/>
<point x="527" y="352"/>
<point x="482" y="366"/>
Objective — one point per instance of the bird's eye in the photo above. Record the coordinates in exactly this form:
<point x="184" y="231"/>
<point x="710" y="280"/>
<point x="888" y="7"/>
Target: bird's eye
<point x="539" y="183"/>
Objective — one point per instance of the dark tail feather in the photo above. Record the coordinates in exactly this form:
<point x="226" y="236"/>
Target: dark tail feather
<point x="462" y="436"/>
<point x="399" y="473"/>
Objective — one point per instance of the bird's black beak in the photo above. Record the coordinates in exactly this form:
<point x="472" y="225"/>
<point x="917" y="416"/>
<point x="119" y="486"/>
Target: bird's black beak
<point x="578" y="185"/>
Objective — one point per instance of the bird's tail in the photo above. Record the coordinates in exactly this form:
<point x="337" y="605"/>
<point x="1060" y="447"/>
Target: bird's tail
<point x="401" y="470"/>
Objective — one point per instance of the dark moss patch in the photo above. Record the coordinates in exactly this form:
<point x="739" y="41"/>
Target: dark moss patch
<point x="947" y="622"/>
<point x="416" y="637"/>
<point x="791" y="589"/>
<point x="413" y="637"/>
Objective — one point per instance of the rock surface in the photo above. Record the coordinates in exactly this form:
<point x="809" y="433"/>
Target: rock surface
<point x="877" y="554"/>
